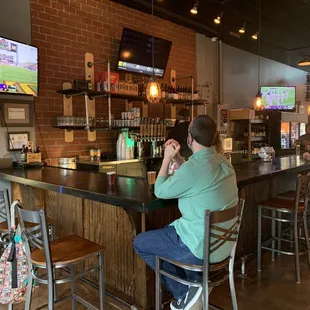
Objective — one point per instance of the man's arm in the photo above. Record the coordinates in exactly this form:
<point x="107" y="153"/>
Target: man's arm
<point x="177" y="186"/>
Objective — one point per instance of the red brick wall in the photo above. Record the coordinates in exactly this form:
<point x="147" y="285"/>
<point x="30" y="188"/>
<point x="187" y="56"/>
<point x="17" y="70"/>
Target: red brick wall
<point x="64" y="30"/>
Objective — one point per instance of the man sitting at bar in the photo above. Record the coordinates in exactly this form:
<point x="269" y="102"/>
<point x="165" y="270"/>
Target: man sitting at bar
<point x="207" y="181"/>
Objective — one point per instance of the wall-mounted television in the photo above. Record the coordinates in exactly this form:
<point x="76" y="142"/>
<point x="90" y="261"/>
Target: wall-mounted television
<point x="18" y="68"/>
<point x="135" y="54"/>
<point x="278" y="97"/>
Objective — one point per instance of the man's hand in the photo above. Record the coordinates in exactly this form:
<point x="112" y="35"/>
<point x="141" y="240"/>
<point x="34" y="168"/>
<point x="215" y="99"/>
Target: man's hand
<point x="172" y="142"/>
<point x="171" y="151"/>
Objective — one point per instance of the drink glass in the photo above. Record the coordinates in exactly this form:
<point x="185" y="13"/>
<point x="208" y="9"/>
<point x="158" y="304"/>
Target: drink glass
<point x="111" y="177"/>
<point x="151" y="178"/>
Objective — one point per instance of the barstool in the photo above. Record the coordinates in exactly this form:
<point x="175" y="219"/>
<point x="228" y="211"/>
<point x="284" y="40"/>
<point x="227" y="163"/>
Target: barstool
<point x="5" y="218"/>
<point x="297" y="210"/>
<point x="63" y="253"/>
<point x="224" y="270"/>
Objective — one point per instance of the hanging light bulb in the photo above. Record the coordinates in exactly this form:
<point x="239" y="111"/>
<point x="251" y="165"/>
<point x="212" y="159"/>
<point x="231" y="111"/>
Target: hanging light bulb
<point x="304" y="62"/>
<point x="218" y="19"/>
<point x="258" y="101"/>
<point x="153" y="91"/>
<point x="194" y="10"/>
<point x="242" y="29"/>
<point x="308" y="109"/>
<point x="255" y="36"/>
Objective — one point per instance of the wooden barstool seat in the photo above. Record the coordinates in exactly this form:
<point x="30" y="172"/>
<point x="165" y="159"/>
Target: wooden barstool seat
<point x="281" y="204"/>
<point x="68" y="250"/>
<point x="288" y="195"/>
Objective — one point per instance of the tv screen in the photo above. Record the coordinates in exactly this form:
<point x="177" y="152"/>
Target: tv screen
<point x="278" y="98"/>
<point x="135" y="54"/>
<point x="18" y="68"/>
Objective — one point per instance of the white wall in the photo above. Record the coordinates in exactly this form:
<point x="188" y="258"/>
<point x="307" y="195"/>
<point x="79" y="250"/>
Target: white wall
<point x="240" y="73"/>
<point x="15" y="24"/>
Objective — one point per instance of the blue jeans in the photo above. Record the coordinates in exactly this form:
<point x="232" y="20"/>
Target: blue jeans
<point x="167" y="244"/>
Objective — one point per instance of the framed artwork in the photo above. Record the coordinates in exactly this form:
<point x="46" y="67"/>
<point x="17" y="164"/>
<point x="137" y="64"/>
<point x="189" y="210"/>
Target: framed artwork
<point x="16" y="113"/>
<point x="16" y="140"/>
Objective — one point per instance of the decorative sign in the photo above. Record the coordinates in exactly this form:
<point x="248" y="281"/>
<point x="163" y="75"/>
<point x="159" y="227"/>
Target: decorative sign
<point x="17" y="114"/>
<point x="16" y="140"/>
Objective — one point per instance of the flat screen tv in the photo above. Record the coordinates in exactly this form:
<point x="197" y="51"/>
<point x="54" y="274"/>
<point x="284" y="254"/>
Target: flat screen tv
<point x="135" y="54"/>
<point x="278" y="97"/>
<point x="18" y="68"/>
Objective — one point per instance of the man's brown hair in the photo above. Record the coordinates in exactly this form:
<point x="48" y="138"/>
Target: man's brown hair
<point x="203" y="130"/>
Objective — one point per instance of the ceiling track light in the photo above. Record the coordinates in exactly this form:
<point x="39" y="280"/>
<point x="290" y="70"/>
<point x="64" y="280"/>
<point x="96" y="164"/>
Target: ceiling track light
<point x="194" y="10"/>
<point x="305" y="62"/>
<point x="242" y="29"/>
<point x="218" y="19"/>
<point x="255" y="35"/>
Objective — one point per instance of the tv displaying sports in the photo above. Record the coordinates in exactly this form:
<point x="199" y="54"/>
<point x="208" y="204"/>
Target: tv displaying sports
<point x="278" y="97"/>
<point x="135" y="54"/>
<point x="18" y="68"/>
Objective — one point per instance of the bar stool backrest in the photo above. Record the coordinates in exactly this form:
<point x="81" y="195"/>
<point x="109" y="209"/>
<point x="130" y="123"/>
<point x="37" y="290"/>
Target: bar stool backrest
<point x="5" y="207"/>
<point x="36" y="235"/>
<point x="302" y="191"/>
<point x="224" y="235"/>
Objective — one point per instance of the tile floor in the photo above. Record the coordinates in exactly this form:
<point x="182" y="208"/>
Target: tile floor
<point x="273" y="289"/>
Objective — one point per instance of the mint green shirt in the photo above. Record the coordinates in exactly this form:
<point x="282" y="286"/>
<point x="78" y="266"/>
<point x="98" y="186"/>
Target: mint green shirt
<point x="207" y="181"/>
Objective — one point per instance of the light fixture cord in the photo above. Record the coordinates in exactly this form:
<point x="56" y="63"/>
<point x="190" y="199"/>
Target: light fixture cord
<point x="259" y="42"/>
<point x="153" y="49"/>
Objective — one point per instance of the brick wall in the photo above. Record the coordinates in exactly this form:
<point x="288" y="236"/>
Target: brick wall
<point x="64" y="30"/>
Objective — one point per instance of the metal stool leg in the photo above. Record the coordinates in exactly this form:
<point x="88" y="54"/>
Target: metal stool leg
<point x="232" y="285"/>
<point x="73" y="286"/>
<point x="158" y="285"/>
<point x="29" y="290"/>
<point x="259" y="239"/>
<point x="101" y="280"/>
<point x="273" y="234"/>
<point x="50" y="288"/>
<point x="52" y="237"/>
<point x="306" y="236"/>
<point x="297" y="266"/>
<point x="279" y="232"/>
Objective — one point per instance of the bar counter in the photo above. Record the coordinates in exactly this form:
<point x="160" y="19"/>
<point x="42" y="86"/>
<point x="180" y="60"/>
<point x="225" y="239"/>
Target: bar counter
<point x="83" y="203"/>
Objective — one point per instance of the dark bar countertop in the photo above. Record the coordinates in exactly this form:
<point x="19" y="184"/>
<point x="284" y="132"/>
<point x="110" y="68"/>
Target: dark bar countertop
<point x="134" y="193"/>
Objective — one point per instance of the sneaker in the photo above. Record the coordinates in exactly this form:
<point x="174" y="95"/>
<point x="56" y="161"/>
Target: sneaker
<point x="191" y="299"/>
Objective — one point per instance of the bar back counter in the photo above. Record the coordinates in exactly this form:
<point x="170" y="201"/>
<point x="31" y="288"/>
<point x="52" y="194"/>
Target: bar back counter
<point x="83" y="203"/>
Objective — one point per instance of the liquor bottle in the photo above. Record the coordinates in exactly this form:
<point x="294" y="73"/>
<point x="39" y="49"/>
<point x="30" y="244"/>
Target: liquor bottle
<point x="196" y="95"/>
<point x="163" y="91"/>
<point x="23" y="157"/>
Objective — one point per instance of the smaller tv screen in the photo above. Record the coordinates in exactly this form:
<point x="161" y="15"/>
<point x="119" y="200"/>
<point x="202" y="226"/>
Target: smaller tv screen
<point x="278" y="98"/>
<point x="135" y="54"/>
<point x="18" y="68"/>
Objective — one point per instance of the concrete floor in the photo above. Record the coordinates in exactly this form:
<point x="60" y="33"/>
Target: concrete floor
<point x="273" y="289"/>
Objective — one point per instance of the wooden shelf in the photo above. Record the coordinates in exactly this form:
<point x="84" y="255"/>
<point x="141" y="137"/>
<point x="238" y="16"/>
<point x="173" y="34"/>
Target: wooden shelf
<point x="94" y="94"/>
<point x="256" y="139"/>
<point x="75" y="92"/>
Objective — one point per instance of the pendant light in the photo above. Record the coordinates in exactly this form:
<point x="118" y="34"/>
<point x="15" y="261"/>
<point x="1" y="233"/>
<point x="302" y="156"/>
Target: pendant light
<point x="305" y="62"/>
<point x="153" y="91"/>
<point x="194" y="10"/>
<point x="258" y="100"/>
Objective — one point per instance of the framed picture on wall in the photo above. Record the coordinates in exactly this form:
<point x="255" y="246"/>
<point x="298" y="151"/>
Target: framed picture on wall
<point x="16" y="113"/>
<point x="16" y="140"/>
